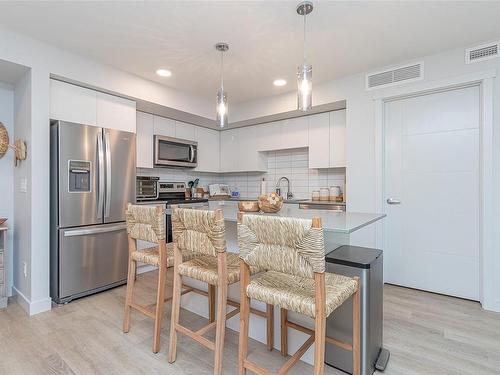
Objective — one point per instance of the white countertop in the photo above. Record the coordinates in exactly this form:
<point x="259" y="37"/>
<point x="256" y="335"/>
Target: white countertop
<point x="339" y="222"/>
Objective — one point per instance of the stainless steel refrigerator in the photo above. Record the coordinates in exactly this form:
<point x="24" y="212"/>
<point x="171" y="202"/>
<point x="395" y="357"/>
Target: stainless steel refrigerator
<point x="92" y="180"/>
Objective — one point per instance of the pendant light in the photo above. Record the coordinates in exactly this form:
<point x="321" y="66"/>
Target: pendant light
<point x="221" y="94"/>
<point x="304" y="71"/>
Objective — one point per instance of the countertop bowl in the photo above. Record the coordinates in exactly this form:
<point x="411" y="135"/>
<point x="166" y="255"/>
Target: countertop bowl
<point x="271" y="203"/>
<point x="248" y="206"/>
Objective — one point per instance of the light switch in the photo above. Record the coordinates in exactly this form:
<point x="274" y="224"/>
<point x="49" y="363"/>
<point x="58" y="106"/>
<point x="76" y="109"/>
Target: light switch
<point x="23" y="186"/>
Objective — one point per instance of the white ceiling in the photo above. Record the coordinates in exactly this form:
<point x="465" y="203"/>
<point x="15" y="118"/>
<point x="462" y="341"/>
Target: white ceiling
<point x="265" y="37"/>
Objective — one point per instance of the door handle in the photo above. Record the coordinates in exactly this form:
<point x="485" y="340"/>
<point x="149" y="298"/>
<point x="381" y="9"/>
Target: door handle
<point x="98" y="230"/>
<point x="392" y="201"/>
<point x="100" y="172"/>
<point x="108" y="174"/>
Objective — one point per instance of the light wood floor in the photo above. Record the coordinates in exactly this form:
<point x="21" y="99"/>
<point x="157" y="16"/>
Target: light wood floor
<point x="426" y="334"/>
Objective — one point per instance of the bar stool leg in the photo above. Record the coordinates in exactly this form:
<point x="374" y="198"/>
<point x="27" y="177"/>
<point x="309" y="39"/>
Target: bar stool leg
<point x="284" y="332"/>
<point x="244" y="317"/>
<point x="270" y="326"/>
<point x="176" y="305"/>
<point x="130" y="291"/>
<point x="220" y="328"/>
<point x="211" y="303"/>
<point x="160" y="298"/>
<point x="319" y="324"/>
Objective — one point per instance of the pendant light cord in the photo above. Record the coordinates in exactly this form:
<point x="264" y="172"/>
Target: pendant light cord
<point x="304" y="49"/>
<point x="222" y="70"/>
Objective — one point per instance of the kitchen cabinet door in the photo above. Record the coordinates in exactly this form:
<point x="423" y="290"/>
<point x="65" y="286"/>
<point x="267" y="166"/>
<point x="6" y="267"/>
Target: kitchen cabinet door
<point x="229" y="155"/>
<point x="294" y="133"/>
<point x="144" y="140"/>
<point x="208" y="149"/>
<point x="116" y="113"/>
<point x="269" y="136"/>
<point x="72" y="103"/>
<point x="163" y="126"/>
<point x="337" y="138"/>
<point x="249" y="158"/>
<point x="319" y="140"/>
<point x="184" y="131"/>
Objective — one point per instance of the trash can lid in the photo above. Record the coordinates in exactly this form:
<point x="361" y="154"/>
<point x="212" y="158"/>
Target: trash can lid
<point x="353" y="256"/>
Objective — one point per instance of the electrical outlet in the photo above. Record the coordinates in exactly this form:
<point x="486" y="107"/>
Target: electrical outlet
<point x="23" y="186"/>
<point x="25" y="269"/>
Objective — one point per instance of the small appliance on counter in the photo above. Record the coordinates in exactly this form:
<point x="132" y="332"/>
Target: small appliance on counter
<point x="219" y="190"/>
<point x="367" y="264"/>
<point x="146" y="188"/>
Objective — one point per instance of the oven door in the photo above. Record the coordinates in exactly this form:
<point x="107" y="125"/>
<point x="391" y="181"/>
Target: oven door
<point x="174" y="152"/>
<point x="197" y="205"/>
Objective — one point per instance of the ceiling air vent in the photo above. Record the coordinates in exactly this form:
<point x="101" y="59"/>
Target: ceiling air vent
<point x="396" y="76"/>
<point x="481" y="53"/>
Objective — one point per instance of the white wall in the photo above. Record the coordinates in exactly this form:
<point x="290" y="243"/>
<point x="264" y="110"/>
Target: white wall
<point x="32" y="208"/>
<point x="361" y="134"/>
<point x="7" y="174"/>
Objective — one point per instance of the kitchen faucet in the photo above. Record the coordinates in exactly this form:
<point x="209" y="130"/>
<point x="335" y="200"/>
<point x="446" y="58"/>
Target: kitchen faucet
<point x="289" y="194"/>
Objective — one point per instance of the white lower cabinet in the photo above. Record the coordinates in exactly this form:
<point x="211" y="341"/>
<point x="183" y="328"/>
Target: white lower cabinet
<point x="144" y="140"/>
<point x="208" y="149"/>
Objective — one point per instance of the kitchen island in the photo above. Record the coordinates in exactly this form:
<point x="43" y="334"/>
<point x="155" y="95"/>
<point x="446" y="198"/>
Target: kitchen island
<point x="337" y="226"/>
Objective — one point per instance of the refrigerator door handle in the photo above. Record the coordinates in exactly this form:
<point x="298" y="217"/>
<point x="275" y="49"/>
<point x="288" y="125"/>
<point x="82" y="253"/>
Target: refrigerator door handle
<point x="108" y="173"/>
<point x="100" y="172"/>
<point x="97" y="230"/>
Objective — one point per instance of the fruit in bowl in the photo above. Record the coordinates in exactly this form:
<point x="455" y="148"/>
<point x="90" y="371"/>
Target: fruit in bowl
<point x="248" y="206"/>
<point x="271" y="203"/>
<point x="2" y="220"/>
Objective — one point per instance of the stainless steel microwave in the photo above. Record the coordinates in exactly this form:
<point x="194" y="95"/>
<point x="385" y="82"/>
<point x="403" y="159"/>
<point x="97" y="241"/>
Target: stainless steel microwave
<point x="174" y="152"/>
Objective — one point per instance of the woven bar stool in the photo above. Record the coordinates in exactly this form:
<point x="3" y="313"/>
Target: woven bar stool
<point x="293" y="253"/>
<point x="148" y="224"/>
<point x="203" y="232"/>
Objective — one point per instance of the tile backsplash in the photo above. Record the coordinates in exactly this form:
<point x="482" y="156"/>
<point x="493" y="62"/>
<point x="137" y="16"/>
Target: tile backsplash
<point x="289" y="163"/>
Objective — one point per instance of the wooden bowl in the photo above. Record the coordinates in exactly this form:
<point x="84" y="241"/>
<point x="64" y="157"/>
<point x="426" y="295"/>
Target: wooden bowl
<point x="271" y="203"/>
<point x="2" y="220"/>
<point x="248" y="206"/>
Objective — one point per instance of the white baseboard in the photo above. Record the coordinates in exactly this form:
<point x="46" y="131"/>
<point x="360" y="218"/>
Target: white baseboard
<point x="32" y="308"/>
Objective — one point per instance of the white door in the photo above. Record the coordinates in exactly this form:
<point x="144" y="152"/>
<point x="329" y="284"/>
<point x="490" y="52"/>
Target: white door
<point x="432" y="169"/>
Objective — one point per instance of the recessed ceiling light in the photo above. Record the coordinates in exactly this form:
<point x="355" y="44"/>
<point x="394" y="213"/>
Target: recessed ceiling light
<point x="164" y="72"/>
<point x="279" y="82"/>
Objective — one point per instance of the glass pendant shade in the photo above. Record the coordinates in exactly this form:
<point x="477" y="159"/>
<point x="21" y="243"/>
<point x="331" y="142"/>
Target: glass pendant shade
<point x="304" y="87"/>
<point x="222" y="108"/>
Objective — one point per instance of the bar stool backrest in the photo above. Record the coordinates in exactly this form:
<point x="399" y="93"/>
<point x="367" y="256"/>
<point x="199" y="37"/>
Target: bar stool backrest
<point x="287" y="245"/>
<point x="145" y="223"/>
<point x="199" y="231"/>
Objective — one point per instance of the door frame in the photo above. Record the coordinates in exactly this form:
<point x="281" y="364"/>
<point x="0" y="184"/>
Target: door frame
<point x="484" y="80"/>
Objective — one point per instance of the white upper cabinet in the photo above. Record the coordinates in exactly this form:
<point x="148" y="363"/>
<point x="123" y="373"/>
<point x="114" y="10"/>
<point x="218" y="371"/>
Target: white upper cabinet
<point x="294" y="133"/>
<point x="72" y="103"/>
<point x="269" y="136"/>
<point x="337" y="138"/>
<point x="248" y="155"/>
<point x="208" y="149"/>
<point x="163" y="126"/>
<point x="84" y="106"/>
<point x="144" y="140"/>
<point x="229" y="150"/>
<point x="116" y="113"/>
<point x="319" y="140"/>
<point x="184" y="131"/>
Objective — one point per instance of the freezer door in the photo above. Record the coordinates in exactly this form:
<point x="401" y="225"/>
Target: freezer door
<point x="120" y="173"/>
<point x="91" y="259"/>
<point x="78" y="159"/>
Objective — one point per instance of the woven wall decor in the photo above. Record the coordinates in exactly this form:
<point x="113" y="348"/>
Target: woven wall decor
<point x="4" y="140"/>
<point x="19" y="146"/>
